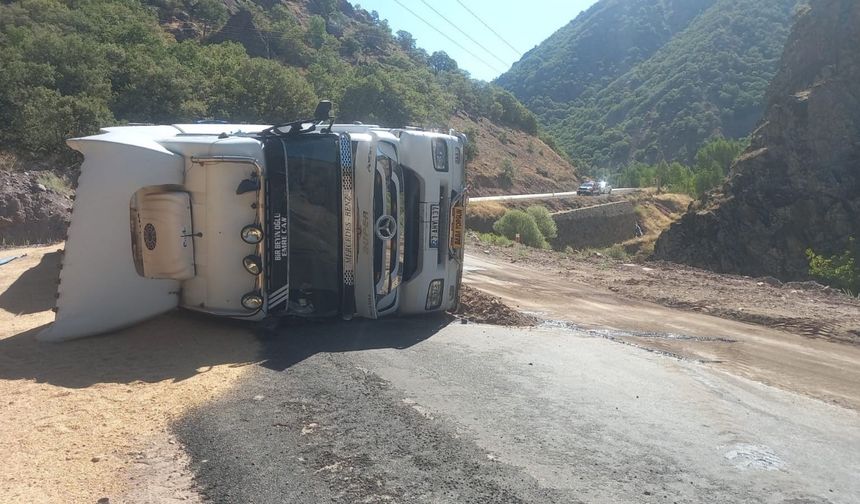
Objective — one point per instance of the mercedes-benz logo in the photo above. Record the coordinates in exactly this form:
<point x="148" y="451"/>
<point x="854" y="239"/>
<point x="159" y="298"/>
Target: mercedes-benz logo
<point x="386" y="227"/>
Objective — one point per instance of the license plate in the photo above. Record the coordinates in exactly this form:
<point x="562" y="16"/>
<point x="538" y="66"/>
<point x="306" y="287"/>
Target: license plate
<point x="434" y="226"/>
<point x="458" y="227"/>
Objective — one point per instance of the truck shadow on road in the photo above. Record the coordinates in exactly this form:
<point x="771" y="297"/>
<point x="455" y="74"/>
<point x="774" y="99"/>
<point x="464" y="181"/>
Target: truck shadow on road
<point x="294" y="341"/>
<point x="176" y="346"/>
<point x="181" y="345"/>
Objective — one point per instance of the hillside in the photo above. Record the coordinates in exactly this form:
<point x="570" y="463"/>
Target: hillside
<point x="798" y="185"/>
<point x="70" y="68"/>
<point x="534" y="167"/>
<point x="652" y="81"/>
<point x="594" y="49"/>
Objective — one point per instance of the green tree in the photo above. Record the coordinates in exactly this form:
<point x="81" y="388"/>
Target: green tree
<point x="316" y="34"/>
<point x="441" y="62"/>
<point x="210" y="13"/>
<point x="508" y="173"/>
<point x="327" y="7"/>
<point x="544" y="221"/>
<point x="471" y="150"/>
<point x="406" y="41"/>
<point x="516" y="223"/>
<point x="841" y="271"/>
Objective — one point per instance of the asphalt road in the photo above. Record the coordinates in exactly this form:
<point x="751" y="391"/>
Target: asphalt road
<point x="543" y="196"/>
<point x="818" y="368"/>
<point x="424" y="411"/>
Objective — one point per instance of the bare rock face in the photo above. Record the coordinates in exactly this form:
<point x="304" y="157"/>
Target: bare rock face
<point x="240" y="27"/>
<point x="30" y="212"/>
<point x="798" y="185"/>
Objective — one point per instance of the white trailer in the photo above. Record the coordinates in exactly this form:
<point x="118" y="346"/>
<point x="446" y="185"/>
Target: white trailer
<point x="245" y="221"/>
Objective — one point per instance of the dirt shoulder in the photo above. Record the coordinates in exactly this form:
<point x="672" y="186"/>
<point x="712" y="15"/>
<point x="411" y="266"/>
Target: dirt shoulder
<point x="89" y="419"/>
<point x="824" y="368"/>
<point x="806" y="308"/>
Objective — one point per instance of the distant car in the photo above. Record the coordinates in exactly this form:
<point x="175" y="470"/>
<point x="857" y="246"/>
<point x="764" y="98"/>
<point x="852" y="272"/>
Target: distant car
<point x="604" y="187"/>
<point x="589" y="188"/>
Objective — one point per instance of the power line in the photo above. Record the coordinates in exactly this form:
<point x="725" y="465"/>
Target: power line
<point x="491" y="53"/>
<point x="440" y="32"/>
<point x="489" y="28"/>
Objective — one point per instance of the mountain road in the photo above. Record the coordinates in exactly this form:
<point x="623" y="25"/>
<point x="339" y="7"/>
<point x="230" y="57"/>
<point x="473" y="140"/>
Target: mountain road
<point x="607" y="401"/>
<point x="543" y="196"/>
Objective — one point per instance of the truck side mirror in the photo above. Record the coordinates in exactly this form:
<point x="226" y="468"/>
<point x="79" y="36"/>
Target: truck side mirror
<point x="323" y="111"/>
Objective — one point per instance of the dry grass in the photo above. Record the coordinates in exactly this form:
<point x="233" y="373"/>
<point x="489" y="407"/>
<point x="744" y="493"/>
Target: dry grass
<point x="485" y="210"/>
<point x="9" y="161"/>
<point x="54" y="182"/>
<point x="535" y="166"/>
<point x="654" y="214"/>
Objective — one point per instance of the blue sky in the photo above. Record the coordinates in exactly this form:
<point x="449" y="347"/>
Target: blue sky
<point x="522" y="24"/>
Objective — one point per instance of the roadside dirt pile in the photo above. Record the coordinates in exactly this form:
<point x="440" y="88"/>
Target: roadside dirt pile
<point x="30" y="211"/>
<point x="798" y="185"/>
<point x="482" y="308"/>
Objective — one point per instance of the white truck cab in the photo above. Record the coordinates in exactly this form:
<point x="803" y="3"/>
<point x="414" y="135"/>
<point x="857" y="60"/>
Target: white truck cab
<point x="248" y="221"/>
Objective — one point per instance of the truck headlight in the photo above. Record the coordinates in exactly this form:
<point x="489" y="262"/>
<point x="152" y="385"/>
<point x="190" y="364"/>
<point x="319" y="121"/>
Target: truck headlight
<point x="440" y="154"/>
<point x="252" y="301"/>
<point x="253" y="264"/>
<point x="434" y="294"/>
<point x="252" y="234"/>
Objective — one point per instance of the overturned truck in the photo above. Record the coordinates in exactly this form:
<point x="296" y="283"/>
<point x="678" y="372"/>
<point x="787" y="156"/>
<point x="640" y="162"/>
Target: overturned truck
<point x="309" y="219"/>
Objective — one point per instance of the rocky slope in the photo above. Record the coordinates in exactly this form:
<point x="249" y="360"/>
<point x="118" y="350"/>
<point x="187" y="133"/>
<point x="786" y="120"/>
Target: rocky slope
<point x="534" y="166"/>
<point x="31" y="212"/>
<point x="798" y="185"/>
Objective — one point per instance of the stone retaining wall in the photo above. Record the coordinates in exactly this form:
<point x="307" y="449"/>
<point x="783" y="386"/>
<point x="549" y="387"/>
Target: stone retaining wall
<point x="595" y="227"/>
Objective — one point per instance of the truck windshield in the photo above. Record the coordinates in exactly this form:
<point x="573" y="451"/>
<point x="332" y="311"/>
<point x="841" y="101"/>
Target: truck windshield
<point x="313" y="186"/>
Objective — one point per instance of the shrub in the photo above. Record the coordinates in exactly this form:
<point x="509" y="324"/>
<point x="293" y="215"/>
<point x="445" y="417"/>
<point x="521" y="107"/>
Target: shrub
<point x="840" y="271"/>
<point x="544" y="221"/>
<point x="471" y="149"/>
<point x="494" y="239"/>
<point x="616" y="252"/>
<point x="508" y="173"/>
<point x="54" y="182"/>
<point x="8" y="161"/>
<point x="518" y="222"/>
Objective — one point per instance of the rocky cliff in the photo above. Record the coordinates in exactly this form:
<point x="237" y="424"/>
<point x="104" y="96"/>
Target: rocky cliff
<point x="798" y="185"/>
<point x="30" y="212"/>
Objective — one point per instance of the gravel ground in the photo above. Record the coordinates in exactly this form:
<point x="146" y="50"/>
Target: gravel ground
<point x="89" y="419"/>
<point x="805" y="308"/>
